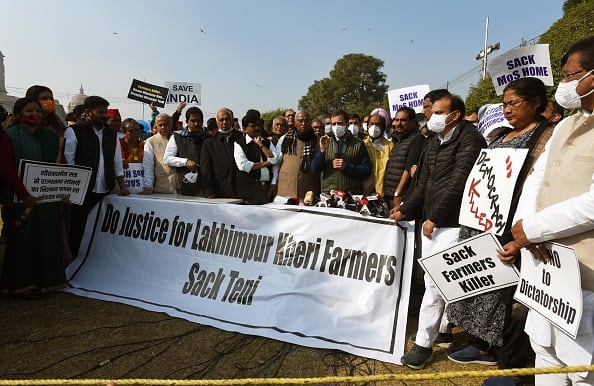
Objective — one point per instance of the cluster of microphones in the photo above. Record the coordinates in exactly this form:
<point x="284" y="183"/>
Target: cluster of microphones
<point x="372" y="205"/>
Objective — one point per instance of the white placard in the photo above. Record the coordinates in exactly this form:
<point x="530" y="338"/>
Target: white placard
<point x="52" y="182"/>
<point x="492" y="118"/>
<point x="489" y="189"/>
<point x="528" y="61"/>
<point x="133" y="177"/>
<point x="308" y="278"/>
<point x="553" y="289"/>
<point x="469" y="268"/>
<point x="190" y="93"/>
<point x="408" y="96"/>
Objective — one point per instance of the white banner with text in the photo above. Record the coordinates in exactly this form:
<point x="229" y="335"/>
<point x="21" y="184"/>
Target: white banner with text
<point x="306" y="277"/>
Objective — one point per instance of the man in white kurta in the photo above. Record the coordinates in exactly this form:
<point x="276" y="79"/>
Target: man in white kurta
<point x="557" y="204"/>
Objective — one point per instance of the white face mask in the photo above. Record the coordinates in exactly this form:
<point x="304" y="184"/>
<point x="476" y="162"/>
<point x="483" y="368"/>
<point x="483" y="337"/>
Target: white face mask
<point x="338" y="130"/>
<point x="374" y="131"/>
<point x="225" y="131"/>
<point x="437" y="122"/>
<point x="567" y="96"/>
<point x="364" y="126"/>
<point x="327" y="129"/>
<point x="354" y="129"/>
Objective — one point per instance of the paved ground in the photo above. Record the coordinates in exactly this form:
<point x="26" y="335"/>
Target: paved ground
<point x="66" y="336"/>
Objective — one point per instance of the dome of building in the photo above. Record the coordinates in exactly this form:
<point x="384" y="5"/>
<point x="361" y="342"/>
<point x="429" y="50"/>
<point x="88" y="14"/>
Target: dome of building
<point x="77" y="99"/>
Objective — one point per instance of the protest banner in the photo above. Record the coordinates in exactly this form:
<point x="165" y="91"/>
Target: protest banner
<point x="469" y="268"/>
<point x="528" y="61"/>
<point x="52" y="182"/>
<point x="133" y="177"/>
<point x="189" y="93"/>
<point x="489" y="189"/>
<point x="553" y="289"/>
<point x="302" y="276"/>
<point x="148" y="93"/>
<point x="407" y="97"/>
<point x="492" y="118"/>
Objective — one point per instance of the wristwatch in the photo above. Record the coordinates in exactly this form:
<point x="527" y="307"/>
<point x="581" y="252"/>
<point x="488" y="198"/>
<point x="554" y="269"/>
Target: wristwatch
<point x="396" y="194"/>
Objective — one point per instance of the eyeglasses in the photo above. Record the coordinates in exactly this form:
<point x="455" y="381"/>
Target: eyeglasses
<point x="512" y="105"/>
<point x="567" y="75"/>
<point x="317" y="127"/>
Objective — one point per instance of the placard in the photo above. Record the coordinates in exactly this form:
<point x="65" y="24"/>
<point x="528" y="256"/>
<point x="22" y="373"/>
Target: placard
<point x="527" y="61"/>
<point x="51" y="182"/>
<point x="186" y="92"/>
<point x="469" y="268"/>
<point x="489" y="189"/>
<point x="148" y="93"/>
<point x="553" y="289"/>
<point x="407" y="97"/>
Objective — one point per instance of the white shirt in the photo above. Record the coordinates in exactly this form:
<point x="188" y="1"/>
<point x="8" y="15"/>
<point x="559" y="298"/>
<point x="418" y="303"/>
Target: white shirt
<point x="566" y="218"/>
<point x="170" y="156"/>
<point x="148" y="164"/>
<point x="245" y="165"/>
<point x="276" y="149"/>
<point x="448" y="136"/>
<point x="571" y="217"/>
<point x="70" y="145"/>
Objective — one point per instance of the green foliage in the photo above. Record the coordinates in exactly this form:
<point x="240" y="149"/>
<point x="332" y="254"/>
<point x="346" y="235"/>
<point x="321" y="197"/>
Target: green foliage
<point x="577" y="23"/>
<point x="481" y="93"/>
<point x="569" y="4"/>
<point x="356" y="85"/>
<point x="268" y="116"/>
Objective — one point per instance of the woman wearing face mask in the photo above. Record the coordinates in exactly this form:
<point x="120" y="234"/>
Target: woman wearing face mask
<point x="48" y="106"/>
<point x="33" y="263"/>
<point x="496" y="336"/>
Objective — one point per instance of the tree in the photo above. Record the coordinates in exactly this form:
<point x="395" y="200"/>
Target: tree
<point x="576" y="24"/>
<point x="268" y="116"/>
<point x="481" y="93"/>
<point x="356" y="85"/>
<point x="569" y="4"/>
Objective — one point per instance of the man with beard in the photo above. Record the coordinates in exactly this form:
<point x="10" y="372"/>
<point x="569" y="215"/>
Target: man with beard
<point x="183" y="152"/>
<point x="295" y="177"/>
<point x="408" y="143"/>
<point x="91" y="143"/>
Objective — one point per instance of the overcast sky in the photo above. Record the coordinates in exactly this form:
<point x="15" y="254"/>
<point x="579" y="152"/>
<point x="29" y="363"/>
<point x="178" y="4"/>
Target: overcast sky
<point x="261" y="54"/>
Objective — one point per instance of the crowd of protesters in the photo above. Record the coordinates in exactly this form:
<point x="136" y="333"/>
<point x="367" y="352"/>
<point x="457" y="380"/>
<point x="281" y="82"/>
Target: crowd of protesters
<point x="419" y="170"/>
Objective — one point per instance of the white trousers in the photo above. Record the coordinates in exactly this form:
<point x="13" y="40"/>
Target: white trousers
<point x="547" y="357"/>
<point x="431" y="315"/>
<point x="554" y="348"/>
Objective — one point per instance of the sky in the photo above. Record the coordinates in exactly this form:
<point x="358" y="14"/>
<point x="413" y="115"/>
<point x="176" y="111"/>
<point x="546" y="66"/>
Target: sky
<point x="261" y="54"/>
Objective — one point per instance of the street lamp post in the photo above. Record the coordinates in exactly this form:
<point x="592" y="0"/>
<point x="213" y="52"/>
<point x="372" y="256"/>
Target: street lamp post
<point x="486" y="50"/>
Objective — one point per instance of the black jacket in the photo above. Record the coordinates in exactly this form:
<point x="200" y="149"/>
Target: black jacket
<point x="443" y="176"/>
<point x="406" y="147"/>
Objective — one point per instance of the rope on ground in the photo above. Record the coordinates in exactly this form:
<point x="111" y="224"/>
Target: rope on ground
<point x="302" y="381"/>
